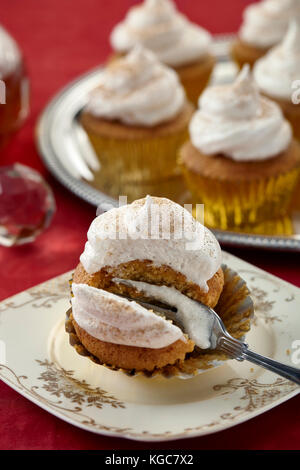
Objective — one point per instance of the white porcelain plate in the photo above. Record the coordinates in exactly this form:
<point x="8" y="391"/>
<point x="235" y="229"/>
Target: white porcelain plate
<point x="42" y="366"/>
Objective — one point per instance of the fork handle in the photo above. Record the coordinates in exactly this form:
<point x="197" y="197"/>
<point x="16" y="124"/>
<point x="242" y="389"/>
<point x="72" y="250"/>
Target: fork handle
<point x="288" y="372"/>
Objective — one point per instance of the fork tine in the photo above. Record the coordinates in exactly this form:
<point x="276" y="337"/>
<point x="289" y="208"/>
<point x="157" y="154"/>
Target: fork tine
<point x="231" y="346"/>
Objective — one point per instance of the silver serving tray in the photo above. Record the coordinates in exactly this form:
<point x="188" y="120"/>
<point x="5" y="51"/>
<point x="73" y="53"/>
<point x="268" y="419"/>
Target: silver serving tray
<point x="66" y="152"/>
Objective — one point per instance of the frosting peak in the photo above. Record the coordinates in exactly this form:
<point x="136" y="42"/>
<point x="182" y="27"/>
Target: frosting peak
<point x="241" y="99"/>
<point x="137" y="90"/>
<point x="158" y="26"/>
<point x="236" y="121"/>
<point x="291" y="41"/>
<point x="265" y="23"/>
<point x="280" y="67"/>
<point x="155" y="229"/>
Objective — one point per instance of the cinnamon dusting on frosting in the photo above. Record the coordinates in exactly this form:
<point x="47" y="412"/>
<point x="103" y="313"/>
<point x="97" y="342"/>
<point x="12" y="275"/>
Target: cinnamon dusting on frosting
<point x="158" y="26"/>
<point x="234" y="120"/>
<point x="137" y="90"/>
<point x="280" y="67"/>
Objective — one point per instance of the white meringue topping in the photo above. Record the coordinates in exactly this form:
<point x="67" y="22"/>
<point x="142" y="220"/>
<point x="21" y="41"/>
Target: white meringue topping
<point x="113" y="319"/>
<point x="265" y="23"/>
<point x="158" y="26"/>
<point x="157" y="230"/>
<point x="194" y="318"/>
<point x="280" y="67"/>
<point x="138" y="90"/>
<point x="234" y="120"/>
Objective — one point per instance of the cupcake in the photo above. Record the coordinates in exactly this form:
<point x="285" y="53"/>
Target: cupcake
<point x="13" y="88"/>
<point x="241" y="161"/>
<point x="264" y="25"/>
<point x="136" y="120"/>
<point x="158" y="26"/>
<point x="152" y="251"/>
<point x="278" y="71"/>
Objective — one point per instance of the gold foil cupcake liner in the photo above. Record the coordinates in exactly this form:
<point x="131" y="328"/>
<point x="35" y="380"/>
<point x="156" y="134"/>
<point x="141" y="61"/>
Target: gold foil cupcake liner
<point x="229" y="204"/>
<point x="137" y="167"/>
<point x="295" y="204"/>
<point x="281" y="227"/>
<point x="235" y="307"/>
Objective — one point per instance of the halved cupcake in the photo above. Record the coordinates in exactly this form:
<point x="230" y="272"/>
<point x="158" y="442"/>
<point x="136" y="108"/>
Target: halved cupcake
<point x="152" y="251"/>
<point x="241" y="162"/>
<point x="264" y="25"/>
<point x="136" y="120"/>
<point x="184" y="46"/>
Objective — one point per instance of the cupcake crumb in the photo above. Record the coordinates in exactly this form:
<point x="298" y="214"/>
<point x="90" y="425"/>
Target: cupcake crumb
<point x="288" y="352"/>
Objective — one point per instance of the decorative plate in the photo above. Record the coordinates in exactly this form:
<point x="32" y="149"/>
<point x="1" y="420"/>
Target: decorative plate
<point x="65" y="150"/>
<point x="37" y="361"/>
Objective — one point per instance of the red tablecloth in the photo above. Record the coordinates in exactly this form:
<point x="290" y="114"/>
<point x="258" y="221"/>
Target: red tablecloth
<point x="60" y="40"/>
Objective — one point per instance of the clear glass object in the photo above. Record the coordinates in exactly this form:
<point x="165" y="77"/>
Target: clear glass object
<point x="14" y="87"/>
<point x="27" y="204"/>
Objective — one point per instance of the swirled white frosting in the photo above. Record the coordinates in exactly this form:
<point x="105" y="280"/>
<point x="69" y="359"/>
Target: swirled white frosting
<point x="158" y="26"/>
<point x="266" y="23"/>
<point x="234" y="120"/>
<point x="157" y="230"/>
<point x="280" y="67"/>
<point x="10" y="55"/>
<point x="113" y="319"/>
<point x="138" y="90"/>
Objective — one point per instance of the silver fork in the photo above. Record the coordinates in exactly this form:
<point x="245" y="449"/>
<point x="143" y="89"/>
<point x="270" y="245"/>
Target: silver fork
<point x="221" y="340"/>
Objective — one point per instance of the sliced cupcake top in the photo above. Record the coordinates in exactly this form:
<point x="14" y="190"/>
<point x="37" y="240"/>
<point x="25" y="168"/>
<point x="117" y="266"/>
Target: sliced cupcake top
<point x="236" y="121"/>
<point x="137" y="90"/>
<point x="157" y="230"/>
<point x="157" y="25"/>
<point x="265" y="23"/>
<point x="10" y="55"/>
<point x="280" y="67"/>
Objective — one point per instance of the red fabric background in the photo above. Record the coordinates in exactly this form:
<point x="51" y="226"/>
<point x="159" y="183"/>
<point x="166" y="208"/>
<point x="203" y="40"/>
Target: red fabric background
<point x="60" y="40"/>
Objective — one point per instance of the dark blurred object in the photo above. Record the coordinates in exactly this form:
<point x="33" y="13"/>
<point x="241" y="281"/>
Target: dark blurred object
<point x="14" y="87"/>
<point x="26" y="205"/>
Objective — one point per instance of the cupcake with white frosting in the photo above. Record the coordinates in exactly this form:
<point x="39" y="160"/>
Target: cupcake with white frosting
<point x="241" y="161"/>
<point x="14" y="98"/>
<point x="277" y="75"/>
<point x="136" y="120"/>
<point x="264" y="26"/>
<point x="152" y="251"/>
<point x="159" y="27"/>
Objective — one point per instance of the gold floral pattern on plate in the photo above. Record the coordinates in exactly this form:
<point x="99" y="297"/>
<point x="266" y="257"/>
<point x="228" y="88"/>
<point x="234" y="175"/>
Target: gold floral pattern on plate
<point x="220" y="398"/>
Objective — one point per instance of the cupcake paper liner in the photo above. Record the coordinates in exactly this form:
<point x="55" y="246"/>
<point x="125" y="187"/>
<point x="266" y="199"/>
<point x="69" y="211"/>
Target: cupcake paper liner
<point x="139" y="167"/>
<point x="229" y="204"/>
<point x="283" y="226"/>
<point x="235" y="307"/>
